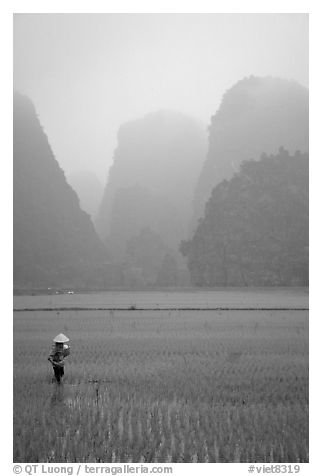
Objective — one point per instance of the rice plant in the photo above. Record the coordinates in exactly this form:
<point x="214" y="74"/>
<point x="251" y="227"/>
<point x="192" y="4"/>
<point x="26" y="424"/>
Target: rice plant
<point x="163" y="386"/>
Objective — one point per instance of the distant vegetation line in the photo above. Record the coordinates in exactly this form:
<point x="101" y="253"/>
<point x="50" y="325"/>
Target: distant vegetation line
<point x="49" y="309"/>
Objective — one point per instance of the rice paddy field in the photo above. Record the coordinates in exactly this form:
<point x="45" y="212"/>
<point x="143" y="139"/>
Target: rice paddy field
<point x="217" y="376"/>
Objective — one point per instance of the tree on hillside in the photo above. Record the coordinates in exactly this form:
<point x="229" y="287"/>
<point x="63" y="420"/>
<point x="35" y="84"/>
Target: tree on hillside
<point x="255" y="228"/>
<point x="255" y="115"/>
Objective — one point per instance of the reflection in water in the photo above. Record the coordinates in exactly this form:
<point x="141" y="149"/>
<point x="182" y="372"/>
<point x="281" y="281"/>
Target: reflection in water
<point x="58" y="413"/>
<point x="57" y="397"/>
<point x="63" y="396"/>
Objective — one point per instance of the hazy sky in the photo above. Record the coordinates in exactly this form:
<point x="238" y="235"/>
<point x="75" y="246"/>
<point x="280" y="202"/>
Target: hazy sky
<point x="88" y="73"/>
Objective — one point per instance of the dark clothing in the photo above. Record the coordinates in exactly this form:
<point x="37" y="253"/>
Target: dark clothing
<point x="56" y="357"/>
<point x="59" y="372"/>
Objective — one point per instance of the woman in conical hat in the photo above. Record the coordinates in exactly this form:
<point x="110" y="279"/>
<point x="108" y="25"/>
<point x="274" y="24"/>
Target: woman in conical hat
<point x="61" y="338"/>
<point x="60" y="350"/>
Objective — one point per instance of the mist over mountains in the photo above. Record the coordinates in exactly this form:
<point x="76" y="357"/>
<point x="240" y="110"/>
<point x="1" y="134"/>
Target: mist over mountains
<point x="89" y="190"/>
<point x="151" y="182"/>
<point x="239" y="223"/>
<point x="256" y="115"/>
<point x="55" y="243"/>
<point x="155" y="153"/>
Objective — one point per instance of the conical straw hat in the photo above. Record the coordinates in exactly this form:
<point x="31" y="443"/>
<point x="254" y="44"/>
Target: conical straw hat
<point x="61" y="338"/>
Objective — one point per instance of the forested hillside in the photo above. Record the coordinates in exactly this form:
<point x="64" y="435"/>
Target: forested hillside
<point x="255" y="231"/>
<point x="256" y="115"/>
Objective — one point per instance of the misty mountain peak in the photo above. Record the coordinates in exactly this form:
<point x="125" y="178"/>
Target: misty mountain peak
<point x="162" y="154"/>
<point x="54" y="240"/>
<point x="256" y="115"/>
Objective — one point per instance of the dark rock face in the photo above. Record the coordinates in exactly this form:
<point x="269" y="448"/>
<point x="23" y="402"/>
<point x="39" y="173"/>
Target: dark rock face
<point x="256" y="115"/>
<point x="156" y="164"/>
<point x="54" y="240"/>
